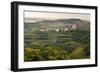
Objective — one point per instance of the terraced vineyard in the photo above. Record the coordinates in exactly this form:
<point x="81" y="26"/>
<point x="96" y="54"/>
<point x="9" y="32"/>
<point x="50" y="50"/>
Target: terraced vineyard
<point x="53" y="45"/>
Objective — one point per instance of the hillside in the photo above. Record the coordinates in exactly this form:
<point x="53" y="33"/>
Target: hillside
<point x="30" y="26"/>
<point x="63" y="39"/>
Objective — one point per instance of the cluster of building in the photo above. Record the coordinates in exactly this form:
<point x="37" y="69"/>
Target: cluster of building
<point x="66" y="28"/>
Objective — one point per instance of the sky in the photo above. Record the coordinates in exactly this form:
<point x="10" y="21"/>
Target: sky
<point x="55" y="15"/>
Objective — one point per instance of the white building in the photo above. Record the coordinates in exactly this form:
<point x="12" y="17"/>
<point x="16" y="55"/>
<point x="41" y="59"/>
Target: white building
<point x="65" y="29"/>
<point x="42" y="30"/>
<point x="57" y="30"/>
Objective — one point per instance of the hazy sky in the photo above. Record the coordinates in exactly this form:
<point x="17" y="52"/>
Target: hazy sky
<point x="55" y="15"/>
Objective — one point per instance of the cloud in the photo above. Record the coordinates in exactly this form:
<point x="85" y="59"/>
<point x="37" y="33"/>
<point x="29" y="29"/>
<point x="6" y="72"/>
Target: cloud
<point x="56" y="15"/>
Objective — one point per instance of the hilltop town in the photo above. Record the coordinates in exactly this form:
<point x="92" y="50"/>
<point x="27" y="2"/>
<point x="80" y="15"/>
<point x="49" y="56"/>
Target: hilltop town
<point x="66" y="28"/>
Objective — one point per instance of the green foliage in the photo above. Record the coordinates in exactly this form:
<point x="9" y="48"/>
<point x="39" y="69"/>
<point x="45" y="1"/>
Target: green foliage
<point x="78" y="53"/>
<point x="42" y="46"/>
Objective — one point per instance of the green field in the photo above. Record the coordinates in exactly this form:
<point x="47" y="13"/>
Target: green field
<point x="44" y="46"/>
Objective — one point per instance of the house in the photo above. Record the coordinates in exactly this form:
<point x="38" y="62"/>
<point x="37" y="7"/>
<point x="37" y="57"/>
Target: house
<point x="75" y="26"/>
<point x="42" y="30"/>
<point x="57" y="30"/>
<point x="65" y="29"/>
